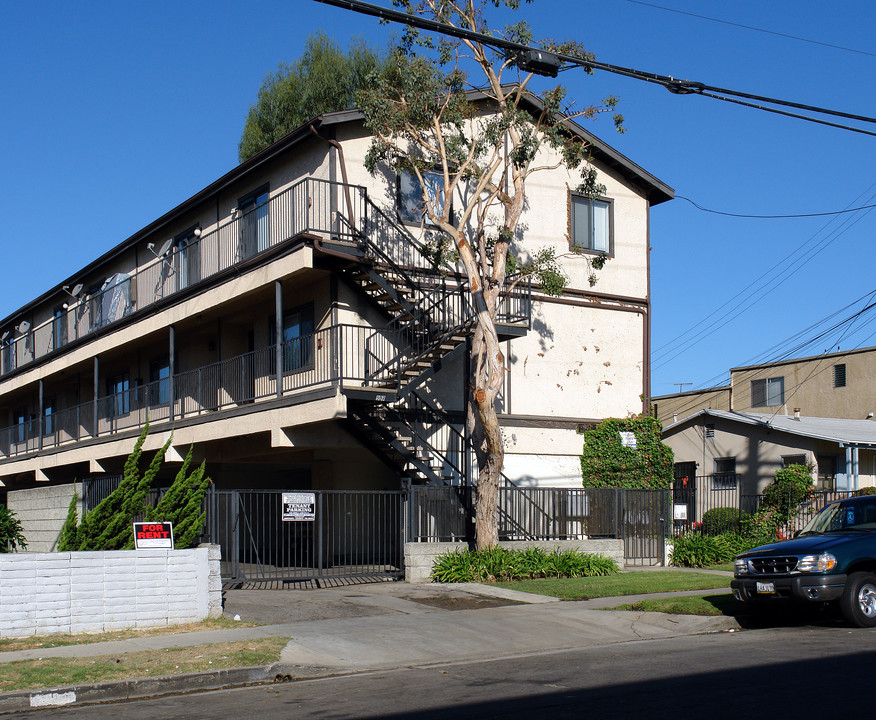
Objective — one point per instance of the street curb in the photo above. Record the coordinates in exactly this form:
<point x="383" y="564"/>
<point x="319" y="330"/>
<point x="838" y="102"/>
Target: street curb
<point x="137" y="688"/>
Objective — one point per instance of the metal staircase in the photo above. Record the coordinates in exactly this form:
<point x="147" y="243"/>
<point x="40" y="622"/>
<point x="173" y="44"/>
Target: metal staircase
<point x="429" y="318"/>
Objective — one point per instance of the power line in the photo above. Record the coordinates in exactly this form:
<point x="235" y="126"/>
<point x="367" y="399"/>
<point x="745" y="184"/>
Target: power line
<point x="758" y="286"/>
<point x="772" y="217"/>
<point x="674" y="85"/>
<point x="756" y="29"/>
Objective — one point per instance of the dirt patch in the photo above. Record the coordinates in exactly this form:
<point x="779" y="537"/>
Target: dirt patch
<point x="458" y="602"/>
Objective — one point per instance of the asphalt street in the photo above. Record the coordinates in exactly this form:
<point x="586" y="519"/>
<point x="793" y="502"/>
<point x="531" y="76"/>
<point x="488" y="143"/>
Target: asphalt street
<point x="800" y="671"/>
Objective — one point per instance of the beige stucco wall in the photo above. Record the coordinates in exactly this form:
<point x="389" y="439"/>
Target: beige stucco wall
<point x="809" y="385"/>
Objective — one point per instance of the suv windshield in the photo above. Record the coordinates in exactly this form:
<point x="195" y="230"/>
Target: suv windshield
<point x="843" y="516"/>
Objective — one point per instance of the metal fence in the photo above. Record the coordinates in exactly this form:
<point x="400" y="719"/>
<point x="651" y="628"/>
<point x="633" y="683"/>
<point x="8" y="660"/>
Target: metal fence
<point x="352" y="534"/>
<point x="361" y="534"/>
<point x="700" y="507"/>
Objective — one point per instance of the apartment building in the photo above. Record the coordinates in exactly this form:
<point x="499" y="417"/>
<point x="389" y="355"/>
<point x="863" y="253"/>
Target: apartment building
<point x="285" y="323"/>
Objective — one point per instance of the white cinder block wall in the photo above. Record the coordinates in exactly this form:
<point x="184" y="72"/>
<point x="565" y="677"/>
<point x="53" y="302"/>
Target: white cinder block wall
<point x="90" y="592"/>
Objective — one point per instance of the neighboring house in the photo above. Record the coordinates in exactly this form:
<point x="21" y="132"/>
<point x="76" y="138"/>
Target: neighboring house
<point x="726" y="458"/>
<point x="837" y="385"/>
<point x="286" y="325"/>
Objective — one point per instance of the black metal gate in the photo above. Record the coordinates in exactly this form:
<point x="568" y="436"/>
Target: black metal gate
<point x="353" y="535"/>
<point x="645" y="514"/>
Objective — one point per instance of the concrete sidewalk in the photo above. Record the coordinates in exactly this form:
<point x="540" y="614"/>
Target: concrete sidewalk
<point x="378" y="626"/>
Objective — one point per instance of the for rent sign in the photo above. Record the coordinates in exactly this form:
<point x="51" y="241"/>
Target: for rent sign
<point x="153" y="535"/>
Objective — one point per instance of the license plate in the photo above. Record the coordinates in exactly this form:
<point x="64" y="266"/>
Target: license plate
<point x="763" y="587"/>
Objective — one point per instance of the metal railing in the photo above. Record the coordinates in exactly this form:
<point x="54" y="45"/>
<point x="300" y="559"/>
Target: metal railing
<point x="307" y="206"/>
<point x="340" y="355"/>
<point x="443" y="514"/>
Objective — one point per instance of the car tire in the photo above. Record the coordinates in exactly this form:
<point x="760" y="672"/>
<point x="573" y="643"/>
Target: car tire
<point x="858" y="603"/>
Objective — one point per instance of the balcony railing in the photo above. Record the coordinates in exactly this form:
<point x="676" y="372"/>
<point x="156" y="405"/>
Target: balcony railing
<point x="308" y="206"/>
<point x="341" y="355"/>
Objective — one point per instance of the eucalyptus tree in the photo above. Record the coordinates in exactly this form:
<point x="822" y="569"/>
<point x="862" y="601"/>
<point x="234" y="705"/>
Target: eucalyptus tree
<point x="457" y="115"/>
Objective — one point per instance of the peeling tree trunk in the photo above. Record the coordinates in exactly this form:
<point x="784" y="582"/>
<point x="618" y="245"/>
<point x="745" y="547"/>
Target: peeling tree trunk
<point x="487" y="376"/>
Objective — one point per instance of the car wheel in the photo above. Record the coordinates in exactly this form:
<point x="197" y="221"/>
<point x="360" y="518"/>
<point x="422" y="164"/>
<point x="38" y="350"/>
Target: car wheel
<point x="858" y="603"/>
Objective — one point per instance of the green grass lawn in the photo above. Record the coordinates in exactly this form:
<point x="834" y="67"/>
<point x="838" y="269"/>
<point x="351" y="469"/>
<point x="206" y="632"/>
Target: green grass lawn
<point x="689" y="605"/>
<point x="630" y="583"/>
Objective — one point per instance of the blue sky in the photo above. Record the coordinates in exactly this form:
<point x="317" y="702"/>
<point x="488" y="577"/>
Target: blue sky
<point x="113" y="113"/>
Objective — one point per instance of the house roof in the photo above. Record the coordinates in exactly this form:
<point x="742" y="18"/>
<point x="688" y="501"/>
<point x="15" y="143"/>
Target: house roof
<point x="839" y="430"/>
<point x="654" y="190"/>
<point x="808" y="358"/>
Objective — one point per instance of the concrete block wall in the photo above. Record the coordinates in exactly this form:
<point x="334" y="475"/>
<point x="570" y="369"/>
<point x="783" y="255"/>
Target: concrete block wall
<point x="419" y="557"/>
<point x="91" y="592"/>
<point x="42" y="512"/>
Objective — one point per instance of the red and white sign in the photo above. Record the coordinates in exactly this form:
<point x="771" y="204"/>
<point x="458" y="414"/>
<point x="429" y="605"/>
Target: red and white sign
<point x="153" y="535"/>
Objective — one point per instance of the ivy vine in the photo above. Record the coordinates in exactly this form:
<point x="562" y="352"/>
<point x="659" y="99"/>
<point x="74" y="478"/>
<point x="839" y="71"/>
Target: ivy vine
<point x="607" y="461"/>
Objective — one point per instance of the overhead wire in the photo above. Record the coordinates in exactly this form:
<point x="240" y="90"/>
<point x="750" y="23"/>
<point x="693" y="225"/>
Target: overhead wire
<point x="756" y="29"/>
<point x="674" y="85"/>
<point x="847" y="223"/>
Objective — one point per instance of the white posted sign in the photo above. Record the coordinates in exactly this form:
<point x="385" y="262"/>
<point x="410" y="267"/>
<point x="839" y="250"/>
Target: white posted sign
<point x="299" y="507"/>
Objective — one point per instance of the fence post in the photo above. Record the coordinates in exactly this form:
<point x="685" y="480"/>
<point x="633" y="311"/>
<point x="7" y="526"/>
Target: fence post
<point x="319" y="528"/>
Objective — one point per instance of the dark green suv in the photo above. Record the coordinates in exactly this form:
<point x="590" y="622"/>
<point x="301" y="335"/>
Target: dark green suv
<point x="832" y="559"/>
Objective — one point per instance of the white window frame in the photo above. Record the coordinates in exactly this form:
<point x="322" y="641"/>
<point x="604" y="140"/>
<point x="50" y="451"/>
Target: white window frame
<point x="772" y="393"/>
<point x="595" y="237"/>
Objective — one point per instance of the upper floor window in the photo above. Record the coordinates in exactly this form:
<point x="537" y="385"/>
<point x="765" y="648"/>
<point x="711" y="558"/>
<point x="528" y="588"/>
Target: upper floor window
<point x="592" y="224"/>
<point x="254" y="233"/>
<point x="839" y="375"/>
<point x="411" y="203"/>
<point x="768" y="392"/>
<point x="159" y="382"/>
<point x="297" y="338"/>
<point x="118" y="391"/>
<point x="59" y="327"/>
<point x="49" y="417"/>
<point x="187" y="257"/>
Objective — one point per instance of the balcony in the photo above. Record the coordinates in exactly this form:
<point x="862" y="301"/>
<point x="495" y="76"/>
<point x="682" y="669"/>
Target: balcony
<point x="348" y="357"/>
<point x="309" y="206"/>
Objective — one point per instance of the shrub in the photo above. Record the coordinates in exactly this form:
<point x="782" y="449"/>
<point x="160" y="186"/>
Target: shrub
<point x="791" y="487"/>
<point x="695" y="550"/>
<point x="723" y="519"/>
<point x="498" y="563"/>
<point x="11" y="533"/>
<point x="67" y="539"/>
<point x="865" y="491"/>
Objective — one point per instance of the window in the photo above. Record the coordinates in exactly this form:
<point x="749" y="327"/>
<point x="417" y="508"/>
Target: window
<point x="724" y="477"/>
<point x="159" y="382"/>
<point x="297" y="339"/>
<point x="7" y="352"/>
<point x="59" y="327"/>
<point x="48" y="417"/>
<point x="187" y="257"/>
<point x="591" y="224"/>
<point x="768" y="392"/>
<point x="839" y="375"/>
<point x="411" y="206"/>
<point x="119" y="397"/>
<point x="788" y="460"/>
<point x="254" y="223"/>
<point x="22" y="421"/>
